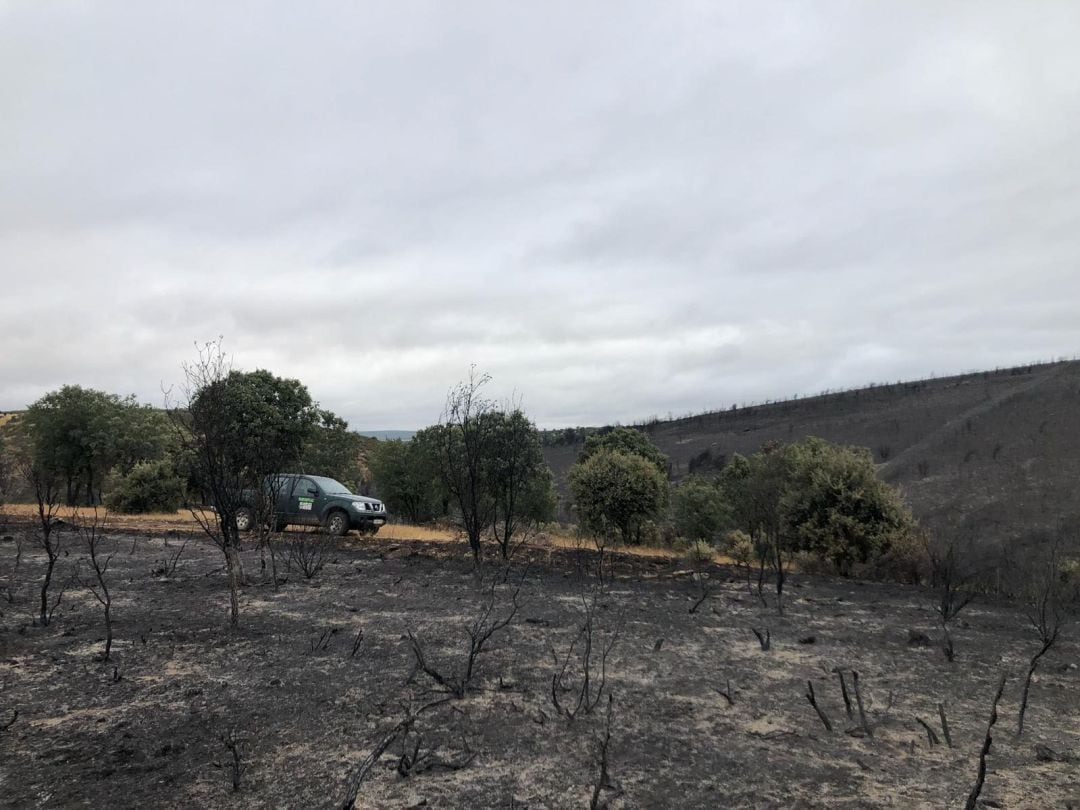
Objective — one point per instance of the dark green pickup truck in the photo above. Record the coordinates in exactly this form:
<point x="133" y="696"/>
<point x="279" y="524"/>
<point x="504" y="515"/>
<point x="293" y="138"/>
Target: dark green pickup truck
<point x="311" y="500"/>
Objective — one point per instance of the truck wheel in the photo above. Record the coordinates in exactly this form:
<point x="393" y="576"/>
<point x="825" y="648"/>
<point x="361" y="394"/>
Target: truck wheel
<point x="337" y="523"/>
<point x="245" y="519"/>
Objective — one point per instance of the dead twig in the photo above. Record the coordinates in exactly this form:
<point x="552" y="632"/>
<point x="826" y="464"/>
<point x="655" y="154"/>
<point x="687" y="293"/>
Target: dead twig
<point x="603" y="781"/>
<point x="591" y="673"/>
<point x="352" y="787"/>
<point x="844" y="692"/>
<point x="357" y="642"/>
<point x="726" y="693"/>
<point x="941" y="713"/>
<point x="322" y="643"/>
<point x="704" y="582"/>
<point x="232" y="744"/>
<point x="859" y="702"/>
<point x="820" y="712"/>
<point x="931" y="737"/>
<point x="764" y="640"/>
<point x="479" y="633"/>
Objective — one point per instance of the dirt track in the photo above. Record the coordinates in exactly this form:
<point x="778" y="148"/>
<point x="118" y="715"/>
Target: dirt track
<point x="152" y="737"/>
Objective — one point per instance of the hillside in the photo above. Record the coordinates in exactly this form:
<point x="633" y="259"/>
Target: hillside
<point x="991" y="455"/>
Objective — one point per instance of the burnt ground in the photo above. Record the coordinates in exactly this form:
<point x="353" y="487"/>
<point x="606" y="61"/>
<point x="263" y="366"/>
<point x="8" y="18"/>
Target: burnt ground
<point x="150" y="735"/>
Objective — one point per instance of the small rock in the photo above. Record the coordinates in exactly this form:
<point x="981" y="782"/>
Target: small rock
<point x="807" y="640"/>
<point x="1044" y="753"/>
<point x="917" y="639"/>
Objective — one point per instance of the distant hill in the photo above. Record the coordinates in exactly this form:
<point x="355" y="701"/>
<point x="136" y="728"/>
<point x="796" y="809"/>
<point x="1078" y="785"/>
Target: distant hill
<point x="990" y="455"/>
<point x="383" y="435"/>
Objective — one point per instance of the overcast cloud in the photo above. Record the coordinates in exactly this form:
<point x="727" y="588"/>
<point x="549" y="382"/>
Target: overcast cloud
<point x="617" y="209"/>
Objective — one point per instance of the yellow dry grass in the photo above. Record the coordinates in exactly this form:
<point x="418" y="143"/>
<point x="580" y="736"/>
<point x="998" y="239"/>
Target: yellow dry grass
<point x="182" y="520"/>
<point x="6" y="417"/>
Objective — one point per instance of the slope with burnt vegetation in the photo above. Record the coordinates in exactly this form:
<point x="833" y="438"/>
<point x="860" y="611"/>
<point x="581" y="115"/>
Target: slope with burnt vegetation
<point x="991" y="455"/>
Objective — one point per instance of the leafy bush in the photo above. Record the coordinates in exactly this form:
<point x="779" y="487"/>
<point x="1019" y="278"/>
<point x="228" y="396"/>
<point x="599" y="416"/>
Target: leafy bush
<point x="904" y="560"/>
<point x="699" y="553"/>
<point x="740" y="547"/>
<point x="151" y="486"/>
<point x="699" y="509"/>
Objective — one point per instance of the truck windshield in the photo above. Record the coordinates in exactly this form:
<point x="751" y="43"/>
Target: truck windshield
<point x="329" y="486"/>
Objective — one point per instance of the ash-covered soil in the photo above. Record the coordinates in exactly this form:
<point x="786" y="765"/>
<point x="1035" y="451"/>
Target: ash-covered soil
<point x="149" y="727"/>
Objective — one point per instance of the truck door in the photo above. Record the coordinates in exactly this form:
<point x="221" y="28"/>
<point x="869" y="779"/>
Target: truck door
<point x="302" y="502"/>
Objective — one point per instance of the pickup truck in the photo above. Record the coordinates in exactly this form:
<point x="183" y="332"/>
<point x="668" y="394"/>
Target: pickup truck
<point x="312" y="500"/>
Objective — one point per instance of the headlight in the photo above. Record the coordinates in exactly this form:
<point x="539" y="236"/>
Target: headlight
<point x="358" y="505"/>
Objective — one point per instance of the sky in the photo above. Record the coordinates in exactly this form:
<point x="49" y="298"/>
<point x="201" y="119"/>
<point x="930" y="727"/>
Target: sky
<point x="616" y="209"/>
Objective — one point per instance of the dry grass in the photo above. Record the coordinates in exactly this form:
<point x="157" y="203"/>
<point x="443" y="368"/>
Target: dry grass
<point x="182" y="520"/>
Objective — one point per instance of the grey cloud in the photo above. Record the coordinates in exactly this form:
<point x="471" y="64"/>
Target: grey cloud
<point x="616" y="214"/>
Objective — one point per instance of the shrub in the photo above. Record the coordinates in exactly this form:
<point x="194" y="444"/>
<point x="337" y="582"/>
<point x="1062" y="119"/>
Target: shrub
<point x="699" y="553"/>
<point x="904" y="560"/>
<point x="151" y="486"/>
<point x="740" y="547"/>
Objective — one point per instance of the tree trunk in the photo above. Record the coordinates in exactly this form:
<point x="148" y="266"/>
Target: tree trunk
<point x="779" y="576"/>
<point x="45" y="587"/>
<point x="108" y="628"/>
<point x="232" y="564"/>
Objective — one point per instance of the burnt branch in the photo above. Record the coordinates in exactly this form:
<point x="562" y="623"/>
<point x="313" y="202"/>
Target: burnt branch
<point x="764" y="640"/>
<point x="479" y="632"/>
<point x="415" y="759"/>
<point x="589" y="671"/>
<point x="603" y="781"/>
<point x="844" y="692"/>
<point x="357" y="642"/>
<point x="944" y="724"/>
<point x="233" y="744"/>
<point x="402" y="728"/>
<point x="980" y="779"/>
<point x="322" y="643"/>
<point x="931" y="736"/>
<point x="859" y="702"/>
<point x="92" y="533"/>
<point x="812" y="699"/>
<point x="726" y="693"/>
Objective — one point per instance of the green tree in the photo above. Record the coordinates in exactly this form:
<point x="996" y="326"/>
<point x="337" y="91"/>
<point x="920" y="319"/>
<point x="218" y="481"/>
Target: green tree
<point x="625" y="440"/>
<point x="235" y="428"/>
<point x="519" y="479"/>
<point x="490" y="465"/>
<point x="462" y="449"/>
<point x="331" y="449"/>
<point x="614" y="492"/>
<point x="699" y="509"/>
<point x="838" y="508"/>
<point x="80" y="435"/>
<point x="816" y="497"/>
<point x="406" y="476"/>
<point x="756" y="486"/>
